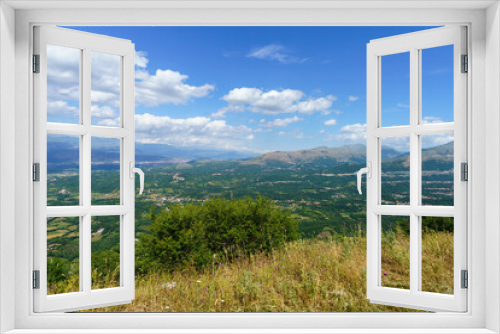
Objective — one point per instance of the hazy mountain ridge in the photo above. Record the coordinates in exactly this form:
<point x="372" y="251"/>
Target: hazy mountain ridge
<point x="319" y="157"/>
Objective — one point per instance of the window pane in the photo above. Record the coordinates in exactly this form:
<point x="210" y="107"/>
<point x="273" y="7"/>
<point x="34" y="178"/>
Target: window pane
<point x="105" y="171"/>
<point x="63" y="84"/>
<point x="395" y="264"/>
<point x="63" y="251"/>
<point x="437" y="169"/>
<point x="395" y="89"/>
<point x="105" y="252"/>
<point x="395" y="171"/>
<point x="105" y="89"/>
<point x="437" y="84"/>
<point x="63" y="170"/>
<point x="437" y="254"/>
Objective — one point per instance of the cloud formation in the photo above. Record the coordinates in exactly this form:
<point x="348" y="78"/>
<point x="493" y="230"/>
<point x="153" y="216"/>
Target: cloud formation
<point x="63" y="86"/>
<point x="275" y="52"/>
<point x="331" y="122"/>
<point x="281" y="122"/>
<point x="431" y="120"/>
<point x="296" y="135"/>
<point x="274" y="102"/>
<point x="167" y="87"/>
<point x="201" y="132"/>
<point x="355" y="133"/>
<point x="353" y="98"/>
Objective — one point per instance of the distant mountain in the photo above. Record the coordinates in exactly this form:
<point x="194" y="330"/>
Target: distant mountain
<point x="440" y="157"/>
<point x="105" y="150"/>
<point x="188" y="154"/>
<point x="336" y="155"/>
<point x="322" y="155"/>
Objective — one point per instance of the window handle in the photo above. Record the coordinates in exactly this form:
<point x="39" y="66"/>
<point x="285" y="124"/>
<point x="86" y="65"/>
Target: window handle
<point x="139" y="171"/>
<point x="368" y="171"/>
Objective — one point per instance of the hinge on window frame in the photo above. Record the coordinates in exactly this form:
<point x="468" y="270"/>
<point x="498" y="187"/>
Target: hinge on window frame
<point x="36" y="172"/>
<point x="465" y="64"/>
<point x="465" y="279"/>
<point x="36" y="279"/>
<point x="464" y="171"/>
<point x="36" y="63"/>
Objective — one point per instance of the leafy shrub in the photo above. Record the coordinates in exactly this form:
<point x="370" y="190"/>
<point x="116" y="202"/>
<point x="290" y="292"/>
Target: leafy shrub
<point x="213" y="232"/>
<point x="106" y="262"/>
<point x="58" y="269"/>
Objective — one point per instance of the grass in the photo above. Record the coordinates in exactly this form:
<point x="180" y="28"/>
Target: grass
<point x="305" y="276"/>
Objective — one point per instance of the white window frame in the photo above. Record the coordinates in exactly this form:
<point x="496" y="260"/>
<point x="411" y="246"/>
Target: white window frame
<point x="484" y="103"/>
<point x="86" y="43"/>
<point x="414" y="43"/>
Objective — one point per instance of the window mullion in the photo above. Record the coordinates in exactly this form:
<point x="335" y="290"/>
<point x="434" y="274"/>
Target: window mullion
<point x="85" y="163"/>
<point x="414" y="171"/>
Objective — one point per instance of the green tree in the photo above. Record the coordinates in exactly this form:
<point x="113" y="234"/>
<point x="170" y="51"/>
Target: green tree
<point x="216" y="231"/>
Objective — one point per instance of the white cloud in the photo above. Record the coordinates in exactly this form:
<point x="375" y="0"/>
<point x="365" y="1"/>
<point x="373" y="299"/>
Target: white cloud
<point x="353" y="98"/>
<point x="262" y="130"/>
<point x="296" y="135"/>
<point x="311" y="105"/>
<point x="431" y="120"/>
<point x="140" y="59"/>
<point x="201" y="132"/>
<point x="63" y="73"/>
<point x="275" y="102"/>
<point x="322" y="131"/>
<point x="281" y="122"/>
<point x="63" y="82"/>
<point x="331" y="122"/>
<point x="219" y="114"/>
<point x="167" y="86"/>
<point x="61" y="109"/>
<point x="164" y="86"/>
<point x="103" y="112"/>
<point x="352" y="133"/>
<point x="275" y="52"/>
<point x="243" y="95"/>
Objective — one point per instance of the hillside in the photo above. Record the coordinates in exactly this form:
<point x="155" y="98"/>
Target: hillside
<point x="306" y="276"/>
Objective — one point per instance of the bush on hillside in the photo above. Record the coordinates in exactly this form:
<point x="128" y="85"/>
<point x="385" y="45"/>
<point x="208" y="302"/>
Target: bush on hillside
<point x="213" y="232"/>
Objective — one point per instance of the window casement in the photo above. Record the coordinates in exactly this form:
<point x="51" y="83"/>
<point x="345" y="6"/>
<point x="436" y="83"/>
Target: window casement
<point x="415" y="208"/>
<point x="50" y="43"/>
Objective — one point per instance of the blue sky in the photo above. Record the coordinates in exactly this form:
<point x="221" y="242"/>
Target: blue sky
<point x="261" y="89"/>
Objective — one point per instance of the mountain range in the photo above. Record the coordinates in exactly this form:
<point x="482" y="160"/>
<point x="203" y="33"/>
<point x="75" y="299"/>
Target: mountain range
<point x="319" y="157"/>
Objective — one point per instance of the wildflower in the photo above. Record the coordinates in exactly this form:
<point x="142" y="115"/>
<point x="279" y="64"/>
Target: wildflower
<point x="169" y="285"/>
<point x="224" y="243"/>
<point x="220" y="265"/>
<point x="385" y="273"/>
<point x="222" y="300"/>
<point x="198" y="281"/>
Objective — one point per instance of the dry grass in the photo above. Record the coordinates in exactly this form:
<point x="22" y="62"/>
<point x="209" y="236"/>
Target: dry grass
<point x="305" y="276"/>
